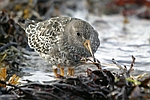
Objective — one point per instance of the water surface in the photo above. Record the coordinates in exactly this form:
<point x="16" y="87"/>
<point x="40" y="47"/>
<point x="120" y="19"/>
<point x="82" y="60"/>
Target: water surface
<point x="121" y="41"/>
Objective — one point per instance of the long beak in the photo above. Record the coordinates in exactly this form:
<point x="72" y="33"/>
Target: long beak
<point x="88" y="46"/>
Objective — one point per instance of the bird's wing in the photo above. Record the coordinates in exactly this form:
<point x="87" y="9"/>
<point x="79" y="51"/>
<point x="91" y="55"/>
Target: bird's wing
<point x="45" y="36"/>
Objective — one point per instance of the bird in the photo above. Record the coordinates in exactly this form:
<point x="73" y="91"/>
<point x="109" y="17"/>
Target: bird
<point x="62" y="41"/>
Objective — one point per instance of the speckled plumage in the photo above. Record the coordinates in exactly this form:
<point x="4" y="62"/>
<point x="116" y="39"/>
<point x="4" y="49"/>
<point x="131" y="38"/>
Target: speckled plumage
<point x="60" y="39"/>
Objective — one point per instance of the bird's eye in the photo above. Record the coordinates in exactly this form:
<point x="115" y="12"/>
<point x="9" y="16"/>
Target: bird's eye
<point x="78" y="33"/>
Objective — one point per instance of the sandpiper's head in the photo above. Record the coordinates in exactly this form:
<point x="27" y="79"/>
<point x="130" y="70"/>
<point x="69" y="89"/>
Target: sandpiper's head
<point x="80" y="33"/>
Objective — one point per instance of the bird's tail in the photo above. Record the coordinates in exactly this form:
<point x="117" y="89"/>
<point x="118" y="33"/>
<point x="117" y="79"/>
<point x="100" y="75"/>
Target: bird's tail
<point x="25" y="22"/>
<point x="31" y="34"/>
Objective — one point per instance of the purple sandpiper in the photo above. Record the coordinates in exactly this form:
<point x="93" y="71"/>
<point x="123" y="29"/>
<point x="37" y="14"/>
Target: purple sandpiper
<point x="59" y="40"/>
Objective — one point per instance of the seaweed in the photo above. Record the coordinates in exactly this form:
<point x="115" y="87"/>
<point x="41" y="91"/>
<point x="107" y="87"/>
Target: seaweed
<point x="95" y="85"/>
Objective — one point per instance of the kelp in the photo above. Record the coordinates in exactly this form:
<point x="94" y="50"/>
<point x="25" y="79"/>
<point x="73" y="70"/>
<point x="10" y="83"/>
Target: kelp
<point x="100" y="84"/>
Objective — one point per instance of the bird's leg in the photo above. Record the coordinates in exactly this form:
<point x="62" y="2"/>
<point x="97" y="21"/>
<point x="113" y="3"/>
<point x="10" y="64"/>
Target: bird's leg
<point x="70" y="71"/>
<point x="55" y="70"/>
<point x="62" y="71"/>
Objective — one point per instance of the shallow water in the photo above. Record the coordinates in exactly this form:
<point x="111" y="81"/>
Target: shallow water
<point x="118" y="41"/>
<point x="122" y="41"/>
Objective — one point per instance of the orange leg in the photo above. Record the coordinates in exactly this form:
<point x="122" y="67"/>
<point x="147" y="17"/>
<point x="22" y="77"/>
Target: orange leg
<point x="70" y="71"/>
<point x="62" y="71"/>
<point x="55" y="70"/>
